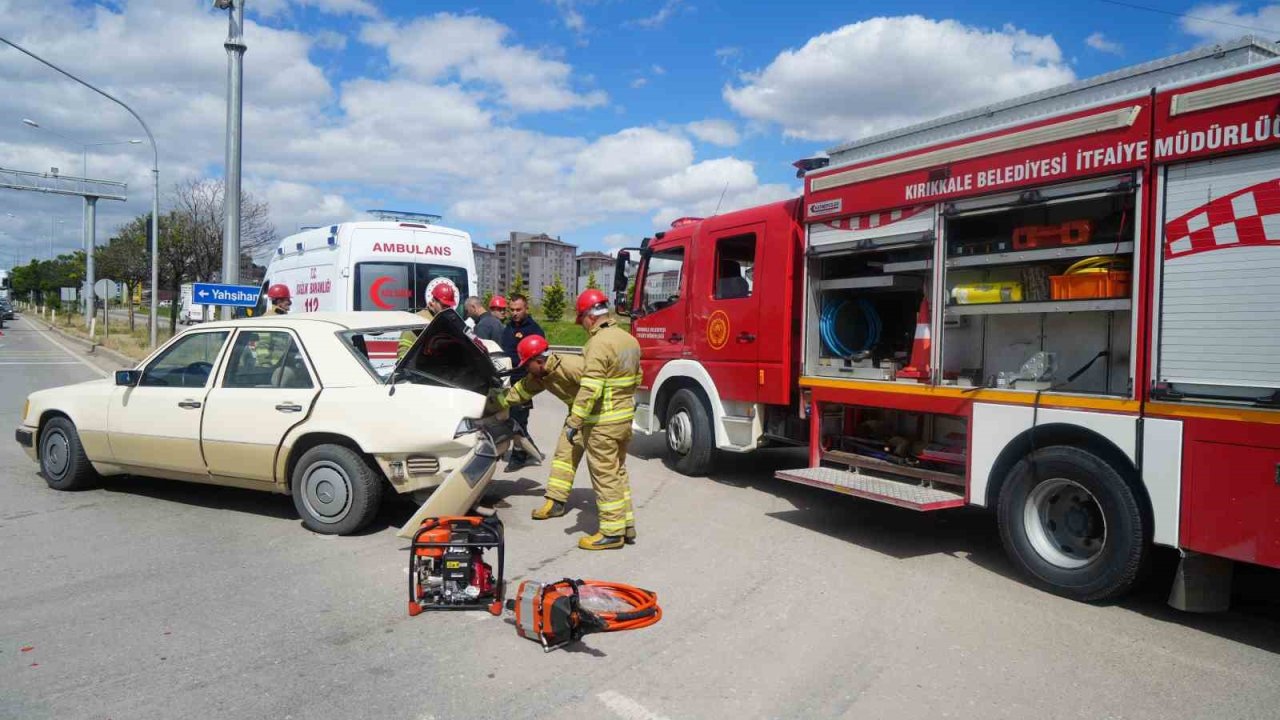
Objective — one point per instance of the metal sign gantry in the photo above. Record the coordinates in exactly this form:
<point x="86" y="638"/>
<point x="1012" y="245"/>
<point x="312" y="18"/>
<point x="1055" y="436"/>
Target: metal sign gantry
<point x="89" y="189"/>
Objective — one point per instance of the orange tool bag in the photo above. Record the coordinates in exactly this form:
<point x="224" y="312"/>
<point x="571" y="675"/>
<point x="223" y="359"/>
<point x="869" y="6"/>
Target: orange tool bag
<point x="1037" y="237"/>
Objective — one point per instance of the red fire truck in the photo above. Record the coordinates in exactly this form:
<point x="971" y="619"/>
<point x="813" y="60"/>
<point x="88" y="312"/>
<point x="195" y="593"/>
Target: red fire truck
<point x="1064" y="308"/>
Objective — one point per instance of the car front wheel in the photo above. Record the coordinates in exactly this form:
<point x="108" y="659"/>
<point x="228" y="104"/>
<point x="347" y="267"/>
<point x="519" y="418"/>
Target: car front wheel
<point x="62" y="459"/>
<point x="335" y="490"/>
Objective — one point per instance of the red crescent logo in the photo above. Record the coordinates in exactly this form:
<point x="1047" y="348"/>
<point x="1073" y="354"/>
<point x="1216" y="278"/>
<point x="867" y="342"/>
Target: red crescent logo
<point x="375" y="292"/>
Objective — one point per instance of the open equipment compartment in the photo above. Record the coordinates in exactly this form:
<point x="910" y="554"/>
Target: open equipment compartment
<point x="868" y="276"/>
<point x="1038" y="288"/>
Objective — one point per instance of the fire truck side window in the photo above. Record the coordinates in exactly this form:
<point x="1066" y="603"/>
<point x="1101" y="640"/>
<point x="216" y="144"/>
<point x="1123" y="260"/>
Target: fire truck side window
<point x="735" y="260"/>
<point x="662" y="279"/>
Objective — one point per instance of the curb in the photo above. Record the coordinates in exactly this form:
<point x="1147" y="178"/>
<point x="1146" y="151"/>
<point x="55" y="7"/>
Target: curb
<point x="93" y="348"/>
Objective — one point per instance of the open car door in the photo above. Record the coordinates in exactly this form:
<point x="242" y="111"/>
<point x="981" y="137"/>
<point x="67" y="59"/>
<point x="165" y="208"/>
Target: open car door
<point x="444" y="354"/>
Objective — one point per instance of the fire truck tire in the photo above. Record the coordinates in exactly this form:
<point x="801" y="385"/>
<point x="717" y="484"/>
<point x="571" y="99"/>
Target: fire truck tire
<point x="335" y="490"/>
<point x="62" y="459"/>
<point x="1072" y="524"/>
<point x="690" y="437"/>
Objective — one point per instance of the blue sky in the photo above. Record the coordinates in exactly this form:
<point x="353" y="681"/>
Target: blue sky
<point x="598" y="120"/>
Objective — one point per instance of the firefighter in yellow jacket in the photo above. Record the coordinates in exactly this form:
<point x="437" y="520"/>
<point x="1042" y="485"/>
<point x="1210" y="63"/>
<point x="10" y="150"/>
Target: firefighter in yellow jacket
<point x="560" y="374"/>
<point x="278" y="297"/>
<point x="602" y="413"/>
<point x="439" y="298"/>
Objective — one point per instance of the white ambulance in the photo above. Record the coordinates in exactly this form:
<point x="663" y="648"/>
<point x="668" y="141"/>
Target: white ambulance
<point x="387" y="264"/>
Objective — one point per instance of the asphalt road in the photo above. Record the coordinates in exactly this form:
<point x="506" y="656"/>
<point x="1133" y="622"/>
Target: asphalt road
<point x="151" y="599"/>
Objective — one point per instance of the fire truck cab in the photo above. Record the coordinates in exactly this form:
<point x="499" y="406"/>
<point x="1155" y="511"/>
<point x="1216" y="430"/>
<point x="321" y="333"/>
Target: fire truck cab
<point x="1063" y="308"/>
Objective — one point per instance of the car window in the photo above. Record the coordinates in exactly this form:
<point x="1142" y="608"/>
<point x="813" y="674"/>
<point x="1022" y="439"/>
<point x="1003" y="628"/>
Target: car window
<point x="264" y="359"/>
<point x="186" y="363"/>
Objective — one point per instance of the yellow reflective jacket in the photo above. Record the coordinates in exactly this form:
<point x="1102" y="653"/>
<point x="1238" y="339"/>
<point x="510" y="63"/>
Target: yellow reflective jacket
<point x="408" y="336"/>
<point x="563" y="375"/>
<point x="611" y="372"/>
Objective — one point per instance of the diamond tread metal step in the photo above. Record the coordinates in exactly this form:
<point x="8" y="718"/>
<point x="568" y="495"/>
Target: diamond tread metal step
<point x="871" y="487"/>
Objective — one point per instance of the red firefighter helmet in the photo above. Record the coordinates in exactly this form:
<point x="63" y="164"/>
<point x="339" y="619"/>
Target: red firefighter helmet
<point x="530" y="348"/>
<point x="279" y="291"/>
<point x="498" y="303"/>
<point x="443" y="294"/>
<point x="590" y="298"/>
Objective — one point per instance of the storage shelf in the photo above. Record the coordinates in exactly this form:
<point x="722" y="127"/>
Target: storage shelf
<point x="1025" y="256"/>
<point x="873" y="282"/>
<point x="1051" y="306"/>
<point x="908" y="266"/>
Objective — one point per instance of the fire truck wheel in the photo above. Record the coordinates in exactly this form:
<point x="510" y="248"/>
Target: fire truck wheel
<point x="1073" y="524"/>
<point x="62" y="459"/>
<point x="335" y="490"/>
<point x="689" y="434"/>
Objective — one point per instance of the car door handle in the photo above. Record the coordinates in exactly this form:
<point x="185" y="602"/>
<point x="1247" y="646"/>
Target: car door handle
<point x="675" y="338"/>
<point x="287" y="407"/>
<point x="746" y="337"/>
<point x="189" y="404"/>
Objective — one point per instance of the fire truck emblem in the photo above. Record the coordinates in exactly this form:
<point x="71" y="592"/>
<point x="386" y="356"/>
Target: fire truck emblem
<point x="718" y="330"/>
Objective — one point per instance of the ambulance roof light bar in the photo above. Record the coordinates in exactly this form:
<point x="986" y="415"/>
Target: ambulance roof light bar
<point x="404" y="216"/>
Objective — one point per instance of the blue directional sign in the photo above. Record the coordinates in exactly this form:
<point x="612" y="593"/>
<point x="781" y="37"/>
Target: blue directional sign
<point x="229" y="295"/>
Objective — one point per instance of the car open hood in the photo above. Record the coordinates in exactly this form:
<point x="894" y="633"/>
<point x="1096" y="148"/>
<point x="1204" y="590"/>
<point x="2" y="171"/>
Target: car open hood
<point x="447" y="351"/>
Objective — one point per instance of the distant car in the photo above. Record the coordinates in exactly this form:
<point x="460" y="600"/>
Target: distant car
<point x="288" y="404"/>
<point x="6" y="310"/>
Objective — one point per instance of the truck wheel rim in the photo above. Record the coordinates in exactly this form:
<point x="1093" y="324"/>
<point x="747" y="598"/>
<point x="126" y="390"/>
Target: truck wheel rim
<point x="326" y="492"/>
<point x="56" y="454"/>
<point x="1064" y="523"/>
<point x="680" y="433"/>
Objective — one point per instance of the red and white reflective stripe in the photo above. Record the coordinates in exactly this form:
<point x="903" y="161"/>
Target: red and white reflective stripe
<point x="1246" y="217"/>
<point x="875" y="220"/>
<point x="922" y="331"/>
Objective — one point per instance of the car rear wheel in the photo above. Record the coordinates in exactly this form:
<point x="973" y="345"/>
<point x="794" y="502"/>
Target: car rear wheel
<point x="62" y="459"/>
<point x="689" y="434"/>
<point x="335" y="490"/>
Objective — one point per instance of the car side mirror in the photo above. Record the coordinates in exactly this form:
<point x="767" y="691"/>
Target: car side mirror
<point x="128" y="378"/>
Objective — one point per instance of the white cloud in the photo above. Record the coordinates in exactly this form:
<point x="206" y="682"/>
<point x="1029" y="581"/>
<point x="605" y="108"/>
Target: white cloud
<point x="276" y="8"/>
<point x="639" y="83"/>
<point x="1227" y="21"/>
<point x="716" y="132"/>
<point x="659" y="70"/>
<point x="436" y="133"/>
<point x="1099" y="42"/>
<point x="888" y="72"/>
<point x="661" y="17"/>
<point x="729" y="56"/>
<point x="330" y="40"/>
<point x="616" y="241"/>
<point x="572" y="18"/>
<point x="475" y="51"/>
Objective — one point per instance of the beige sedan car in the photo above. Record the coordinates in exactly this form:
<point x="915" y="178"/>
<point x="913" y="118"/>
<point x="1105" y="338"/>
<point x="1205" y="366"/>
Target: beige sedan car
<point x="287" y="404"/>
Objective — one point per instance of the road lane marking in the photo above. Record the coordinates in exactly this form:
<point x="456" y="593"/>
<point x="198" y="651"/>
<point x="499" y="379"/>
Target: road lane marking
<point x="626" y="708"/>
<point x="97" y="370"/>
<point x="43" y="362"/>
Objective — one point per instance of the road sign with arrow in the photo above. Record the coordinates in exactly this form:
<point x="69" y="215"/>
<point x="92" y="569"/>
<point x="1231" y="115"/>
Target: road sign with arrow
<point x="245" y="296"/>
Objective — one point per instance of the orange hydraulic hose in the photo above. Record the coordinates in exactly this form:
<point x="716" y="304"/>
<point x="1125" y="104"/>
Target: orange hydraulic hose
<point x="644" y="603"/>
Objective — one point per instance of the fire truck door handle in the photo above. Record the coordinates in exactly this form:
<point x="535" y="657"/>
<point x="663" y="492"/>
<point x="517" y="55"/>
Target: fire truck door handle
<point x="675" y="338"/>
<point x="746" y="337"/>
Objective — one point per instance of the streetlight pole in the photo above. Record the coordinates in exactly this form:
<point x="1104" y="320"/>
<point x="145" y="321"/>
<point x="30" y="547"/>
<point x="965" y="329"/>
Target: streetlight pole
<point x="235" y="109"/>
<point x="155" y="181"/>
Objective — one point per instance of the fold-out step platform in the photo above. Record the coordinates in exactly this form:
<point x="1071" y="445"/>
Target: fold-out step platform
<point x="872" y="487"/>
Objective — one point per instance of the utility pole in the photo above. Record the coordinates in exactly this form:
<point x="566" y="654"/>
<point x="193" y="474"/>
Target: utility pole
<point x="235" y="108"/>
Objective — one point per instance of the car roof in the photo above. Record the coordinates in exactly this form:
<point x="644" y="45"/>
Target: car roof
<point x="365" y="320"/>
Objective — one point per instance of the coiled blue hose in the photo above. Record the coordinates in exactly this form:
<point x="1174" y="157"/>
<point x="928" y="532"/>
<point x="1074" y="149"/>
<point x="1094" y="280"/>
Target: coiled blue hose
<point x="827" y="328"/>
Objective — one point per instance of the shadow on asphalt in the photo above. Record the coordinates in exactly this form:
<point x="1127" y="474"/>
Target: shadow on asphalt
<point x="970" y="533"/>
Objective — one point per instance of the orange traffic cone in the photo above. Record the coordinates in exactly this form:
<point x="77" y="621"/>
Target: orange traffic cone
<point x="919" y="367"/>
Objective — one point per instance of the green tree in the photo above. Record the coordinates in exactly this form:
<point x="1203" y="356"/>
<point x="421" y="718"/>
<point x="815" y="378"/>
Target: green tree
<point x="553" y="302"/>
<point x="125" y="259"/>
<point x="518" y="287"/>
<point x="631" y="294"/>
<point x="488" y="296"/>
<point x="591" y="281"/>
